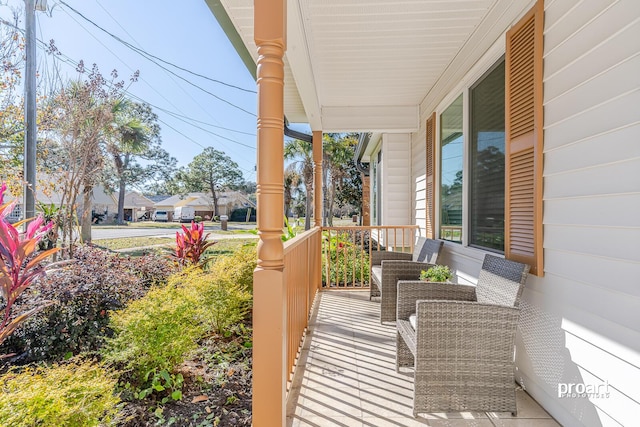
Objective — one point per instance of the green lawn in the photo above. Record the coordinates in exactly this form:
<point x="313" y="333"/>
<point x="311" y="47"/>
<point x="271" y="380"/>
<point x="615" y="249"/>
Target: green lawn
<point x="133" y="242"/>
<point x="137" y="246"/>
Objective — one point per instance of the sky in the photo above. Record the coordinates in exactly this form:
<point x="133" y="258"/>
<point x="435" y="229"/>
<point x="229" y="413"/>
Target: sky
<point x="184" y="33"/>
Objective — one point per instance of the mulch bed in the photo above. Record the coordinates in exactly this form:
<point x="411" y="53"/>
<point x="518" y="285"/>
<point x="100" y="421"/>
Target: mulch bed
<point x="216" y="391"/>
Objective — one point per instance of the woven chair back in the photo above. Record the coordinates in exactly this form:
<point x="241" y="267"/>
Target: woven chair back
<point x="427" y="250"/>
<point x="501" y="281"/>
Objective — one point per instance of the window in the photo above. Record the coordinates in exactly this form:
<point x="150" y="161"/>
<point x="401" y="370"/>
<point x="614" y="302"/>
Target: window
<point x="490" y="154"/>
<point x="451" y="165"/>
<point x="487" y="166"/>
<point x="472" y="164"/>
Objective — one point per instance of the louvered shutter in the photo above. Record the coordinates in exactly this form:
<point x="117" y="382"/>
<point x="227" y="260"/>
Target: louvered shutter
<point x="430" y="177"/>
<point x="524" y="138"/>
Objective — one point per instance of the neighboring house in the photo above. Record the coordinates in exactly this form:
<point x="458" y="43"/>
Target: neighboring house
<point x="203" y="203"/>
<point x="137" y="207"/>
<point x="469" y="104"/>
<point x="102" y="202"/>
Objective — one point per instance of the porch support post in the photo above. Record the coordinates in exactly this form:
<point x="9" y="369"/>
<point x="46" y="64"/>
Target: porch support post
<point x="269" y="287"/>
<point x="317" y="178"/>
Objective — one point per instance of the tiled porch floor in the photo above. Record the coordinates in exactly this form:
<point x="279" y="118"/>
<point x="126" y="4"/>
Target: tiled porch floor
<point x="348" y="376"/>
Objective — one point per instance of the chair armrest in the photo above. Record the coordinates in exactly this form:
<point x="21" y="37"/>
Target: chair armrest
<point x="403" y="270"/>
<point x="378" y="256"/>
<point x="473" y="330"/>
<point x="393" y="270"/>
<point x="410" y="291"/>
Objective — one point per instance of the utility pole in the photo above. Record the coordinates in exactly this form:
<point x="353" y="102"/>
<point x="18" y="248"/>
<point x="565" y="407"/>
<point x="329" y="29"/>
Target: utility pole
<point x="30" y="106"/>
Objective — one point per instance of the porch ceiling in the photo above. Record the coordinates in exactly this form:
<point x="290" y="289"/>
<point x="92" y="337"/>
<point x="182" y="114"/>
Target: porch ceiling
<point x="366" y="65"/>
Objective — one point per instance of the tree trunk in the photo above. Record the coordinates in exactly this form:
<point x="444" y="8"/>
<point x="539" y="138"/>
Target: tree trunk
<point x="85" y="219"/>
<point x="332" y="196"/>
<point x="121" y="191"/>
<point x="325" y="217"/>
<point x="215" y="200"/>
<point x="122" y="185"/>
<point x="307" y="211"/>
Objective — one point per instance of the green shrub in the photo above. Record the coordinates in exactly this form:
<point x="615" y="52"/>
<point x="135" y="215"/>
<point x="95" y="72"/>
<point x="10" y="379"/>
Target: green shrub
<point x="95" y="282"/>
<point x="155" y="333"/>
<point x="237" y="268"/>
<point x="70" y="395"/>
<point x="437" y="273"/>
<point x="346" y="261"/>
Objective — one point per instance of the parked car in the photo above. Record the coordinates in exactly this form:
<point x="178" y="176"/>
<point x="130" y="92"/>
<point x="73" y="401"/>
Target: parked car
<point x="184" y="214"/>
<point x="160" y="216"/>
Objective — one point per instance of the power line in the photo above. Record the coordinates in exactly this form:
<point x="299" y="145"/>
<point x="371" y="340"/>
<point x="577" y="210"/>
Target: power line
<point x="193" y="140"/>
<point x="168" y="74"/>
<point x="148" y="56"/>
<point x="181" y="117"/>
<point x="142" y="51"/>
<point x="175" y="82"/>
<point x="69" y="61"/>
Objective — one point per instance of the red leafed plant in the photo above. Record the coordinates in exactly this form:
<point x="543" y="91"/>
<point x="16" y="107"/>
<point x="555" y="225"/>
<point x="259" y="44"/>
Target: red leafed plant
<point x="191" y="244"/>
<point x="18" y="265"/>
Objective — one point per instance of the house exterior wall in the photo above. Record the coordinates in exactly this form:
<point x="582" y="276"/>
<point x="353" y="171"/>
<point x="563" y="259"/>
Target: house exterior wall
<point x="580" y="322"/>
<point x="396" y="179"/>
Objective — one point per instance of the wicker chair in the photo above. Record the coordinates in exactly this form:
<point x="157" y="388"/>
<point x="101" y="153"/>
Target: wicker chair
<point x="388" y="267"/>
<point x="460" y="339"/>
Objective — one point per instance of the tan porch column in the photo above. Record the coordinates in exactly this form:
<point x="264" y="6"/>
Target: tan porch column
<point x="366" y="200"/>
<point x="269" y="296"/>
<point x="317" y="178"/>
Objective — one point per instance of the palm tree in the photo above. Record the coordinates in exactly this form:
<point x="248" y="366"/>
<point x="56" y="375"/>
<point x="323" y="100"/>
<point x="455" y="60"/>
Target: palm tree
<point x="128" y="137"/>
<point x="292" y="181"/>
<point x="301" y="154"/>
<point x="337" y="157"/>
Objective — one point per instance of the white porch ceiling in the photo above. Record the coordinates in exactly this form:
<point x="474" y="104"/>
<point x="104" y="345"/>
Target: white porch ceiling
<point x="366" y="65"/>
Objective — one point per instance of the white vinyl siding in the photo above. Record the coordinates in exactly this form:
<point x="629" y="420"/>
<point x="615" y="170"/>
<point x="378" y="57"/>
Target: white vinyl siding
<point x="581" y="323"/>
<point x="418" y="182"/>
<point x="396" y="179"/>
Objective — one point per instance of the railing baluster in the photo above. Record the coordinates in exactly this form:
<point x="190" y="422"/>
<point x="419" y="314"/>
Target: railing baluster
<point x="345" y="258"/>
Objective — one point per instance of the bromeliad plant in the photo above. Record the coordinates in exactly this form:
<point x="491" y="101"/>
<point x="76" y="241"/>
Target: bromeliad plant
<point x="191" y="245"/>
<point x="19" y="263"/>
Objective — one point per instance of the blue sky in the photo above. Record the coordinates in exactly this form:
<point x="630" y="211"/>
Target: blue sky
<point x="181" y="32"/>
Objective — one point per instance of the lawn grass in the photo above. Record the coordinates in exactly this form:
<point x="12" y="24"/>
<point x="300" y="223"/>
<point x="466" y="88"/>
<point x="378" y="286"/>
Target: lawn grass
<point x="138" y="246"/>
<point x="133" y="242"/>
<point x="228" y="246"/>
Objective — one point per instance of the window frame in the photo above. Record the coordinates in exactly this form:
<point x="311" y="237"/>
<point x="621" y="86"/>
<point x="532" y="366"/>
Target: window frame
<point x="485" y="65"/>
<point x="469" y="165"/>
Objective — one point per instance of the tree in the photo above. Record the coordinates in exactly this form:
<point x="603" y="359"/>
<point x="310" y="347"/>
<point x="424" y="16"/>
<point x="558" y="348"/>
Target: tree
<point x="83" y="109"/>
<point x="133" y="134"/>
<point x="301" y="155"/>
<point x="337" y="160"/>
<point x="11" y="105"/>
<point x="212" y="171"/>
<point x="350" y="190"/>
<point x="292" y="183"/>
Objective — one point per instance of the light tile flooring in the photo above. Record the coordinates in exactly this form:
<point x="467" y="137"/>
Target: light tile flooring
<point x="347" y="375"/>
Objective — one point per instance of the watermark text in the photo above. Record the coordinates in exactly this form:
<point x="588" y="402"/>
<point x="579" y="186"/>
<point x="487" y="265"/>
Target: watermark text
<point x="593" y="391"/>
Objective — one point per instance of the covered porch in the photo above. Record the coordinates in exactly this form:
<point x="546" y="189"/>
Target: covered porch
<point x="346" y="374"/>
<point x="409" y="73"/>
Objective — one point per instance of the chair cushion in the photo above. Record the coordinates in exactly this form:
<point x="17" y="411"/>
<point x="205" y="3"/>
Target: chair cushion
<point x="412" y="321"/>
<point x="376" y="274"/>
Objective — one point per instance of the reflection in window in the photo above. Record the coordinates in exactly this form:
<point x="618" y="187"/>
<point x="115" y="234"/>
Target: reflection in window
<point x="451" y="162"/>
<point x="486" y="192"/>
